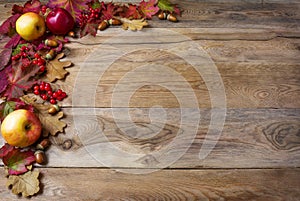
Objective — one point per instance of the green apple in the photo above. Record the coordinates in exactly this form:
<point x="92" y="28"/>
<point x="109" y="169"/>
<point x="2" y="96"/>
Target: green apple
<point x="30" y="26"/>
<point x="21" y="128"/>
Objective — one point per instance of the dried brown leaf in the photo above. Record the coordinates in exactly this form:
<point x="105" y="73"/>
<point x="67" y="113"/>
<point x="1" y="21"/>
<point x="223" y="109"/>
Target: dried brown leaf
<point x="26" y="184"/>
<point x="56" y="69"/>
<point x="51" y="123"/>
<point x="133" y="24"/>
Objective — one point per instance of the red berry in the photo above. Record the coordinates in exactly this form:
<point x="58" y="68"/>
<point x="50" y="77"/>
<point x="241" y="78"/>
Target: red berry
<point x="59" y="91"/>
<point x="36" y="55"/>
<point x="42" y="68"/>
<point x="36" y="87"/>
<point x="59" y="98"/>
<point x="50" y="93"/>
<point x="53" y="101"/>
<point x="36" y="92"/>
<point x="24" y="54"/>
<point x="63" y="94"/>
<point x="48" y="87"/>
<point x="55" y="95"/>
<point x="42" y="87"/>
<point x="44" y="96"/>
<point x="23" y="48"/>
<point x="35" y="62"/>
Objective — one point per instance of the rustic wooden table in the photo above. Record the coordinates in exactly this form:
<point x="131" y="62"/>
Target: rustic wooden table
<point x="146" y="111"/>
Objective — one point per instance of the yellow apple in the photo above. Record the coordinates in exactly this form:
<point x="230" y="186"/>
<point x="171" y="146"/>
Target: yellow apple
<point x="21" y="128"/>
<point x="30" y="26"/>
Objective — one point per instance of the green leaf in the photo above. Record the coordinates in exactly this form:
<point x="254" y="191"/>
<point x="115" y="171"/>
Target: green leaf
<point x="9" y="107"/>
<point x="166" y="5"/>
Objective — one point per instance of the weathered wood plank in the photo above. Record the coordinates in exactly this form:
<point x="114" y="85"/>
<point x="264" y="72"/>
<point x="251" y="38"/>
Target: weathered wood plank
<point x="265" y="138"/>
<point x="100" y="184"/>
<point x="253" y="73"/>
<point x="282" y="17"/>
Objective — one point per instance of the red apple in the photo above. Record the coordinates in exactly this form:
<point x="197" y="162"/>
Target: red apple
<point x="21" y="128"/>
<point x="59" y="21"/>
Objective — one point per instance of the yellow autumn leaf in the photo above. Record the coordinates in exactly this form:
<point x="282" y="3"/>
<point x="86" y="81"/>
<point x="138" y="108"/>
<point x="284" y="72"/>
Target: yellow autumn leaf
<point x="133" y="24"/>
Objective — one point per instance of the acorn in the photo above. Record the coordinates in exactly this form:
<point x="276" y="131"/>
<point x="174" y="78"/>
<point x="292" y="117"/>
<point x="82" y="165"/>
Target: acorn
<point x="172" y="18"/>
<point x="50" y="55"/>
<point x="114" y="22"/>
<point x="162" y="16"/>
<point x="43" y="144"/>
<point x="103" y="25"/>
<point x="40" y="157"/>
<point x="53" y="109"/>
<point x="51" y="43"/>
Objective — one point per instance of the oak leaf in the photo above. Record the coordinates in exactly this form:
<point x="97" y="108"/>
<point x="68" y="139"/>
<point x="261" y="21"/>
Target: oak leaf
<point x="133" y="24"/>
<point x="56" y="69"/>
<point x="27" y="184"/>
<point x="51" y="123"/>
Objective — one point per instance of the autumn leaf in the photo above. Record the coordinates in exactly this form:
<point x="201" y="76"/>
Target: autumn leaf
<point x="5" y="149"/>
<point x="110" y="10"/>
<point x="166" y="5"/>
<point x="17" y="160"/>
<point x="75" y="7"/>
<point x="4" y="78"/>
<point x="29" y="6"/>
<point x="148" y="8"/>
<point x="9" y="25"/>
<point x="12" y="105"/>
<point x="130" y="12"/>
<point x="133" y="24"/>
<point x="27" y="184"/>
<point x="20" y="80"/>
<point x="51" y="123"/>
<point x="5" y="58"/>
<point x="89" y="28"/>
<point x="56" y="69"/>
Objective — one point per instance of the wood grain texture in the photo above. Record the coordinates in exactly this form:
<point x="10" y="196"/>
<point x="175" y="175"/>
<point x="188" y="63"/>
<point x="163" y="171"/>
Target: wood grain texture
<point x="100" y="184"/>
<point x="254" y="47"/>
<point x="267" y="138"/>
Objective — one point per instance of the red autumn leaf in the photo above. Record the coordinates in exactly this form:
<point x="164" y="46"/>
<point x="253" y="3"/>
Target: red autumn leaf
<point x="17" y="160"/>
<point x="89" y="28"/>
<point x="131" y="12"/>
<point x="75" y="7"/>
<point x="29" y="6"/>
<point x="109" y="10"/>
<point x="13" y="42"/>
<point x="5" y="58"/>
<point x="19" y="80"/>
<point x="4" y="78"/>
<point x="5" y="149"/>
<point x="149" y="8"/>
<point x="9" y="25"/>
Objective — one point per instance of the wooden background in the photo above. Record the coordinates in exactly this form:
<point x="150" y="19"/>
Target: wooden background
<point x="255" y="46"/>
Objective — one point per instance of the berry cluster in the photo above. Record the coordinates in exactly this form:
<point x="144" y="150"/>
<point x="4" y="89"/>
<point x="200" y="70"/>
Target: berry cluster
<point x="23" y="54"/>
<point x="46" y="92"/>
<point x="28" y="58"/>
<point x="89" y="16"/>
<point x="40" y="62"/>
